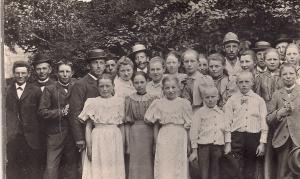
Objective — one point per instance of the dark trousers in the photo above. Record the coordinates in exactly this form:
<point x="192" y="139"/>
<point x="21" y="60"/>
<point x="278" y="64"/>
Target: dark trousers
<point x="209" y="160"/>
<point x="243" y="148"/>
<point x="283" y="171"/>
<point x="22" y="160"/>
<point x="61" y="146"/>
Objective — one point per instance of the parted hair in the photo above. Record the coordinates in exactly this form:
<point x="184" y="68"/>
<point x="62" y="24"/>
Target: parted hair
<point x="124" y="61"/>
<point x="21" y="64"/>
<point x="287" y="65"/>
<point x="217" y="57"/>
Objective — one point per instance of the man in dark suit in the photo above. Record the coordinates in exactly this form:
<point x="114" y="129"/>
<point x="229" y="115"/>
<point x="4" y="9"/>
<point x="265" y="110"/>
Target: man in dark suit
<point x="22" y="126"/>
<point x="54" y="109"/>
<point x="42" y="67"/>
<point x="85" y="88"/>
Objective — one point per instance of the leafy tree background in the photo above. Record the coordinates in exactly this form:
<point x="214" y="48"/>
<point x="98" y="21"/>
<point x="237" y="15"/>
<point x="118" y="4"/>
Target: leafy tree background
<point x="68" y="28"/>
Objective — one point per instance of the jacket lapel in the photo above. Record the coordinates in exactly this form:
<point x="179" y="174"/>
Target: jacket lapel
<point x="13" y="91"/>
<point x="25" y="92"/>
<point x="295" y="92"/>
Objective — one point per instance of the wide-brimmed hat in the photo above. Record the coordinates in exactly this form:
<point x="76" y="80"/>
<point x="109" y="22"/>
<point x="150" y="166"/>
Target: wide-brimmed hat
<point x="230" y="37"/>
<point x="261" y="46"/>
<point x="294" y="160"/>
<point x="283" y="38"/>
<point x="138" y="48"/>
<point x="41" y="57"/>
<point x="96" y="54"/>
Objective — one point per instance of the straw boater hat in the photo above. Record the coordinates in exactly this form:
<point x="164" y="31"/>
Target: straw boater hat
<point x="96" y="54"/>
<point x="230" y="37"/>
<point x="138" y="48"/>
<point x="261" y="46"/>
<point x="283" y="38"/>
<point x="294" y="160"/>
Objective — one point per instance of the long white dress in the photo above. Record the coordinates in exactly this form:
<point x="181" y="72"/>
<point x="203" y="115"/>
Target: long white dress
<point x="171" y="147"/>
<point x="107" y="144"/>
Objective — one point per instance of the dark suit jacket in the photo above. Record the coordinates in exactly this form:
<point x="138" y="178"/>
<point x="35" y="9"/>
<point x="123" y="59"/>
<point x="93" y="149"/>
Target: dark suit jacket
<point x="53" y="100"/>
<point x="22" y="116"/>
<point x="84" y="88"/>
<point x="290" y="125"/>
<point x="49" y="82"/>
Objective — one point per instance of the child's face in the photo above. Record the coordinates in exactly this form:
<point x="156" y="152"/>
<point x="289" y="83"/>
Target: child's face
<point x="125" y="72"/>
<point x="244" y="83"/>
<point x="170" y="89"/>
<point x="139" y="83"/>
<point x="292" y="55"/>
<point x="288" y="76"/>
<point x="281" y="48"/>
<point x="141" y="60"/>
<point x="105" y="88"/>
<point x="172" y="64"/>
<point x="247" y="63"/>
<point x="272" y="61"/>
<point x="260" y="59"/>
<point x="190" y="63"/>
<point x="215" y="68"/>
<point x="211" y="98"/>
<point x="156" y="71"/>
<point x="203" y="65"/>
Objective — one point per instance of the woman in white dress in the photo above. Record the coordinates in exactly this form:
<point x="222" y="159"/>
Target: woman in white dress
<point x="104" y="153"/>
<point x="174" y="114"/>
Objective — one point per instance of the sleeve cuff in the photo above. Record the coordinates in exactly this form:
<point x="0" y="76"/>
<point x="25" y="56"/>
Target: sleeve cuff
<point x="227" y="137"/>
<point x="263" y="137"/>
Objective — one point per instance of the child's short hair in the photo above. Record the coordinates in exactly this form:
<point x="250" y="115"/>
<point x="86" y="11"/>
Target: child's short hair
<point x="139" y="73"/>
<point x="170" y="78"/>
<point x="217" y="57"/>
<point x="189" y="50"/>
<point x="175" y="54"/>
<point x="124" y="61"/>
<point x="157" y="59"/>
<point x="106" y="76"/>
<point x="21" y="64"/>
<point x="209" y="89"/>
<point x="269" y="50"/>
<point x="244" y="73"/>
<point x="64" y="62"/>
<point x="287" y="65"/>
<point x="251" y="53"/>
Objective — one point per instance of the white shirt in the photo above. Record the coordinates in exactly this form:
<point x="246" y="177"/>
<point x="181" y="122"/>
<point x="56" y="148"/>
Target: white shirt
<point x="20" y="91"/>
<point x="233" y="69"/>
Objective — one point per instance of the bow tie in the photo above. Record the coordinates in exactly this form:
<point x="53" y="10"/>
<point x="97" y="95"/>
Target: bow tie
<point x="20" y="88"/>
<point x="289" y="91"/>
<point x="65" y="86"/>
<point x="41" y="84"/>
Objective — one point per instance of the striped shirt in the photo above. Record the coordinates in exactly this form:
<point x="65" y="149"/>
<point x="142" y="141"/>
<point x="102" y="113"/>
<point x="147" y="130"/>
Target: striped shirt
<point x="247" y="113"/>
<point x="209" y="127"/>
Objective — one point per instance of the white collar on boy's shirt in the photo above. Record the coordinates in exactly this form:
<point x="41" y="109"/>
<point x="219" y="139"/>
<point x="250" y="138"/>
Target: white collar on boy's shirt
<point x="22" y="86"/>
<point x="290" y="88"/>
<point x="20" y="89"/>
<point x="145" y="70"/>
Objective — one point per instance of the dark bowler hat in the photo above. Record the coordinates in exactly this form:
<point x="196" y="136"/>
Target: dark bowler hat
<point x="294" y="160"/>
<point x="261" y="46"/>
<point x="96" y="54"/>
<point x="112" y="56"/>
<point x="138" y="48"/>
<point x="283" y="38"/>
<point x="41" y="57"/>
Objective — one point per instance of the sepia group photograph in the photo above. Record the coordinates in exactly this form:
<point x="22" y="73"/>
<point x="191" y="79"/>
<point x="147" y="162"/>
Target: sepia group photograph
<point x="150" y="89"/>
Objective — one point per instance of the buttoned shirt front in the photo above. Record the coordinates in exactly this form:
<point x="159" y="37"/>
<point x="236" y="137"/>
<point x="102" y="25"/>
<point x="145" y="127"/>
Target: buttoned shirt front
<point x="233" y="69"/>
<point x="20" y="89"/>
<point x="247" y="113"/>
<point x="154" y="89"/>
<point x="209" y="127"/>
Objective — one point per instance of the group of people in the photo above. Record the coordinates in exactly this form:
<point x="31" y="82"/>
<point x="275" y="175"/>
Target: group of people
<point x="228" y="115"/>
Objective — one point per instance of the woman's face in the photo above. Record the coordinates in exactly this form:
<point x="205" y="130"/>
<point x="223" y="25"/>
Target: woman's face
<point x="139" y="83"/>
<point x="288" y="76"/>
<point x="170" y="89"/>
<point x="172" y="64"/>
<point x="292" y="55"/>
<point x="105" y="88"/>
<point x="125" y="72"/>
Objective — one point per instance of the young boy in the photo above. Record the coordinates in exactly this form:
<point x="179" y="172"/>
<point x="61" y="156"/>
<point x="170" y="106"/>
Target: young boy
<point x="156" y="71"/>
<point x="208" y="134"/>
<point x="246" y="112"/>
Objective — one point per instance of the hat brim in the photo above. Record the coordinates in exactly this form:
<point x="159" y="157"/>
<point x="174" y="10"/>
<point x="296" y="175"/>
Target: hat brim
<point x="260" y="49"/>
<point x="235" y="41"/>
<point x="291" y="166"/>
<point x="97" y="58"/>
<point x="41" y="61"/>
<point x="288" y="40"/>
<point x="131" y="55"/>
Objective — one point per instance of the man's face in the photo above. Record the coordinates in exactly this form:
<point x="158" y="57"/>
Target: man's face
<point x="190" y="63"/>
<point x="111" y="66"/>
<point x="21" y="75"/>
<point x="215" y="68"/>
<point x="97" y="67"/>
<point x="247" y="63"/>
<point x="272" y="61"/>
<point x="64" y="73"/>
<point x="245" y="83"/>
<point x="156" y="71"/>
<point x="43" y="71"/>
<point x="125" y="72"/>
<point x="292" y="55"/>
<point x="231" y="50"/>
<point x="260" y="59"/>
<point x="281" y="48"/>
<point x="141" y="60"/>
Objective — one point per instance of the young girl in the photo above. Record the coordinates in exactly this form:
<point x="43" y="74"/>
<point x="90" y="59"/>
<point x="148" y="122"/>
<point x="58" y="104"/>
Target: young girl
<point x="156" y="72"/>
<point x="203" y="64"/>
<point x="139" y="135"/>
<point x="284" y="117"/>
<point x="173" y="64"/>
<point x="174" y="114"/>
<point x="292" y="56"/>
<point x="104" y="157"/>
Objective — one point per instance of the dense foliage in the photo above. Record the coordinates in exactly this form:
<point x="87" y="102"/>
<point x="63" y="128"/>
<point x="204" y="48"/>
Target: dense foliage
<point x="68" y="28"/>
